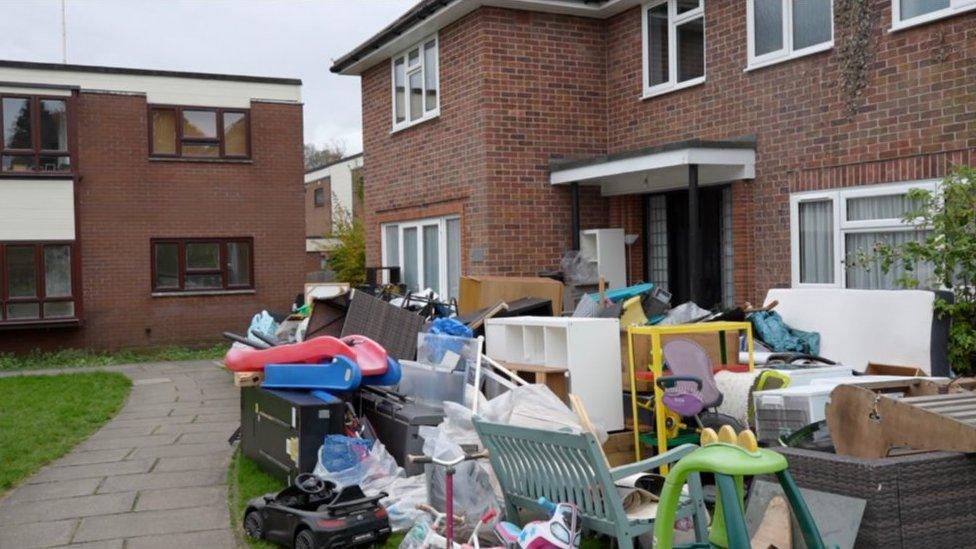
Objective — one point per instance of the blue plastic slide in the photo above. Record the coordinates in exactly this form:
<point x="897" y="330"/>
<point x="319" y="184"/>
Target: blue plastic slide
<point x="341" y="374"/>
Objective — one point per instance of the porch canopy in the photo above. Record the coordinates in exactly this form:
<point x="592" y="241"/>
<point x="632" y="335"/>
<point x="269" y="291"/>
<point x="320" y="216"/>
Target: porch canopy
<point x="673" y="166"/>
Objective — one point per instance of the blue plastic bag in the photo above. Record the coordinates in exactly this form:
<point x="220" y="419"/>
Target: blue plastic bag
<point x="771" y="329"/>
<point x="339" y="452"/>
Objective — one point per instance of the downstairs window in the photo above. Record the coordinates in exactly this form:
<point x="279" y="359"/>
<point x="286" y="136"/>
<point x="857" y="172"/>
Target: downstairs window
<point x="36" y="281"/>
<point x="202" y="264"/>
<point x="428" y="253"/>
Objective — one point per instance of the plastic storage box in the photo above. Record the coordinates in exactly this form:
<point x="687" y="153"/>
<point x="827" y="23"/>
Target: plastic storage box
<point x="805" y="376"/>
<point x="782" y="411"/>
<point x="431" y="384"/>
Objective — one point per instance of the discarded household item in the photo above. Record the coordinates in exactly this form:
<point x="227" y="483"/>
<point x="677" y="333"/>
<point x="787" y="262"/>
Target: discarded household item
<point x="313" y="513"/>
<point x="477" y="292"/>
<point x="838" y="517"/>
<point x="388" y="325"/>
<point x="340" y="375"/>
<point x="563" y="529"/>
<point x="861" y="326"/>
<point x="588" y="347"/>
<point x="527" y="306"/>
<point x="776" y="334"/>
<point x="570" y="467"/>
<point x="315" y="350"/>
<point x="262" y="323"/>
<point x="324" y="290"/>
<point x="605" y="248"/>
<point x="397" y="423"/>
<point x="556" y="379"/>
<point x="779" y="412"/>
<point x="730" y="457"/>
<point x="576" y="269"/>
<point x="449" y="466"/>
<point x="430" y="384"/>
<point x="684" y="314"/>
<point x="805" y="375"/>
<point x="283" y="430"/>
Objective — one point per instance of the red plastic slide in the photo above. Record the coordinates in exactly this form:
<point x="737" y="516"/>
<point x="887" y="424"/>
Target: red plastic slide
<point x="366" y="353"/>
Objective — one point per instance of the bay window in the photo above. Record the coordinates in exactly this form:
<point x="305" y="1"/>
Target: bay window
<point x="416" y="84"/>
<point x="36" y="282"/>
<point x="198" y="132"/>
<point x="674" y="45"/>
<point x="428" y="253"/>
<point x="34" y="136"/>
<point x="908" y="13"/>
<point x="829" y="229"/>
<point x="202" y="264"/>
<point x="779" y="30"/>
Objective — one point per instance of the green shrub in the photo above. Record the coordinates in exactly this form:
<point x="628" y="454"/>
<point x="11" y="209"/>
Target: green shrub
<point x="348" y="258"/>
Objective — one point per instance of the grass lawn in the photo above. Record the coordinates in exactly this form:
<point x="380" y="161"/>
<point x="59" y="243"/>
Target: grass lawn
<point x="44" y="417"/>
<point x="76" y="358"/>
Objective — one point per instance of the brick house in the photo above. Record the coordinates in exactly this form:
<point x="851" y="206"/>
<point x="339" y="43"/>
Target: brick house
<point x="331" y="190"/>
<point x="140" y="208"/>
<point x="748" y="145"/>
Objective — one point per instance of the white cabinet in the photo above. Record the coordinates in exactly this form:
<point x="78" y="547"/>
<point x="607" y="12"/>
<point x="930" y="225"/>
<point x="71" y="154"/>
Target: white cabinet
<point x="605" y="247"/>
<point x="588" y="347"/>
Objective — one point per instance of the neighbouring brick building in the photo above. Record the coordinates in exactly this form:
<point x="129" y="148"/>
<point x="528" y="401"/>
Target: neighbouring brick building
<point x="332" y="191"/>
<point x="141" y="208"/>
<point x="790" y="130"/>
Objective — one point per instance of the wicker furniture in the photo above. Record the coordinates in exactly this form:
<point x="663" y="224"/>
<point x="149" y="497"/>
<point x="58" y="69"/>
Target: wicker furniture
<point x="917" y="500"/>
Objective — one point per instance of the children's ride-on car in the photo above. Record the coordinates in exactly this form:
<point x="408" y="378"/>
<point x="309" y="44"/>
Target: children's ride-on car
<point x="315" y="514"/>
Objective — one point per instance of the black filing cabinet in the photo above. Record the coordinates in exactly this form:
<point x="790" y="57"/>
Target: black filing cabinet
<point x="283" y="430"/>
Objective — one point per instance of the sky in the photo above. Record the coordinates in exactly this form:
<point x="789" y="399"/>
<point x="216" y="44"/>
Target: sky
<point x="285" y="38"/>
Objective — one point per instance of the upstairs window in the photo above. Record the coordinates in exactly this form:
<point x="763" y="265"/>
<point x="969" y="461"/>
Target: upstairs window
<point x="319" y="194"/>
<point x="786" y="29"/>
<point x="908" y="13"/>
<point x="674" y="45"/>
<point x="416" y="84"/>
<point x="202" y="264"/>
<point x="34" y="136"/>
<point x="198" y="133"/>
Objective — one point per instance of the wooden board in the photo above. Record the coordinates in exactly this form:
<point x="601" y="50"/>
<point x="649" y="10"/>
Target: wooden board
<point x="248" y="379"/>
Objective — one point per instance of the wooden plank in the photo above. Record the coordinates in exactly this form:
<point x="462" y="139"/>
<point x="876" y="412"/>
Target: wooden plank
<point x="248" y="379"/>
<point x="937" y="398"/>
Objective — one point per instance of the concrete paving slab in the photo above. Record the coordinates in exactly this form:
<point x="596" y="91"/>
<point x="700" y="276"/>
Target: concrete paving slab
<point x="191" y="463"/>
<point x="127" y="442"/>
<point x="95" y="456"/>
<point x="48" y="510"/>
<point x="107" y="544"/>
<point x="213" y="539"/>
<point x="181" y="498"/>
<point x="147" y="523"/>
<point x="180" y="450"/>
<point x="178" y="479"/>
<point x="38" y="534"/>
<point x="126" y="467"/>
<point x="52" y="490"/>
<point x="207" y="427"/>
<point x="202" y="438"/>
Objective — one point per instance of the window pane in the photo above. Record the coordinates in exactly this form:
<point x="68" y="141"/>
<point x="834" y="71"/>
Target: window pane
<point x="768" y="23"/>
<point x="319" y="197"/>
<point x="816" y="224"/>
<point x="23" y="311"/>
<point x="164" y="131"/>
<point x="13" y="163"/>
<point x="59" y="309"/>
<point x="17" y="123"/>
<point x="432" y="267"/>
<point x="57" y="271"/>
<point x="811" y="23"/>
<point x="413" y="58"/>
<point x="239" y="263"/>
<point x="54" y="125"/>
<point x="410" y="275"/>
<point x="202" y="255"/>
<point x="892" y="206"/>
<point x="199" y="149"/>
<point x="392" y="258"/>
<point x="914" y="8"/>
<point x="453" y="257"/>
<point x="430" y="75"/>
<point x="203" y="282"/>
<point x="167" y="266"/>
<point x="400" y="91"/>
<point x="199" y="124"/>
<point x="21" y="272"/>
<point x="691" y="49"/>
<point x="235" y="134"/>
<point x="871" y="276"/>
<point x="657" y="45"/>
<point x="687" y="5"/>
<point x="416" y="96"/>
<point x="55" y="163"/>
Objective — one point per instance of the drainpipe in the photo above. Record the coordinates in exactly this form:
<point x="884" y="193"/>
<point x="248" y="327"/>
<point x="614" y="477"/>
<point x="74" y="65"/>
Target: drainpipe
<point x="694" y="236"/>
<point x="575" y="212"/>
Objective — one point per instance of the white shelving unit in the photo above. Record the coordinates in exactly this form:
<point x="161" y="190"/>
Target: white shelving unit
<point x="589" y="348"/>
<point x="606" y="248"/>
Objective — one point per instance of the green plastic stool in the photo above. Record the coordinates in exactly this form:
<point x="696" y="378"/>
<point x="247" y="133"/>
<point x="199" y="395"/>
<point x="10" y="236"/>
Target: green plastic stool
<point x="729" y="458"/>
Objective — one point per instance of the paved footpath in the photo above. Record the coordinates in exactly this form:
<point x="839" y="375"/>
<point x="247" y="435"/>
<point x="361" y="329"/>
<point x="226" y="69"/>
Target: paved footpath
<point x="154" y="476"/>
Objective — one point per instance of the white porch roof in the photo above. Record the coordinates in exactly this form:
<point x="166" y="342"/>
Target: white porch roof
<point x="660" y="168"/>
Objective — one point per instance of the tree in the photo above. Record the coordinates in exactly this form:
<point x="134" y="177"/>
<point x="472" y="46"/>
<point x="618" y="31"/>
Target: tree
<point x="316" y="156"/>
<point x="348" y="258"/>
<point x="948" y="215"/>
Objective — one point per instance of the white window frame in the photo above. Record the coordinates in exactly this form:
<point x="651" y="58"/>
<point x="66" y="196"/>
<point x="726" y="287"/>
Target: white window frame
<point x="420" y="67"/>
<point x="787" y="52"/>
<point x="842" y="227"/>
<point x="674" y="21"/>
<point x="955" y="8"/>
<point x="419" y="224"/>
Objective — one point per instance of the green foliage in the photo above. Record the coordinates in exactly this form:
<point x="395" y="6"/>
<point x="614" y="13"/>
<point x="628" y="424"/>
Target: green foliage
<point x="44" y="417"/>
<point x="316" y="156"/>
<point x="348" y="258"/>
<point x="77" y="358"/>
<point x="949" y="216"/>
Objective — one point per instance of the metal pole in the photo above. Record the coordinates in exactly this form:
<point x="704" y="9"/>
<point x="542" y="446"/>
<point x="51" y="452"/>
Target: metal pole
<point x="575" y="214"/>
<point x="694" y="236"/>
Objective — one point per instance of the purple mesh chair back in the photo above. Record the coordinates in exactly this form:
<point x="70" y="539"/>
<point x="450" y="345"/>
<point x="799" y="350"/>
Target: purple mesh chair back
<point x="687" y="358"/>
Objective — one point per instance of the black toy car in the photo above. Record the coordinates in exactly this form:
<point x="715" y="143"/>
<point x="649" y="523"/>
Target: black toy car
<point x="314" y="514"/>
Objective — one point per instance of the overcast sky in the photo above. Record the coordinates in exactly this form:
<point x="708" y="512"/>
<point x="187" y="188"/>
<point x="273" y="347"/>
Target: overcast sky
<point x="290" y="38"/>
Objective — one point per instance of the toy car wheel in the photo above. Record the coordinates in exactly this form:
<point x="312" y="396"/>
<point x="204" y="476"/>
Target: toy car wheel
<point x="254" y="525"/>
<point x="305" y="540"/>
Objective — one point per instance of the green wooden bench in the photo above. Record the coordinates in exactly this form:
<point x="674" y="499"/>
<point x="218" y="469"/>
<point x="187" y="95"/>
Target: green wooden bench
<point x="571" y="468"/>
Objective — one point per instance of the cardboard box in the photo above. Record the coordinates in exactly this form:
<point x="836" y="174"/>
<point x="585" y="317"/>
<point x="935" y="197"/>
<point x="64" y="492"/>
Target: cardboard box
<point x="478" y="292"/>
<point x="892" y="370"/>
<point x="619" y="448"/>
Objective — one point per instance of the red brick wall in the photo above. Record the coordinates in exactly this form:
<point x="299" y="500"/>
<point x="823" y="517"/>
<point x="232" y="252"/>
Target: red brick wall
<point x="318" y="219"/>
<point x="916" y="117"/>
<point x="125" y="199"/>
